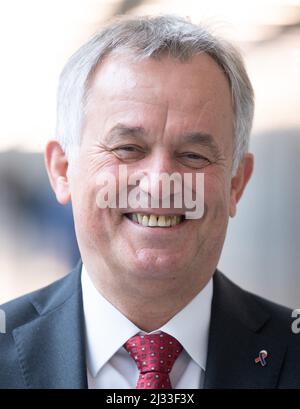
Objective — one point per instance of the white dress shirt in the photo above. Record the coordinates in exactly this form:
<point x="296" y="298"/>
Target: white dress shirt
<point x="109" y="366"/>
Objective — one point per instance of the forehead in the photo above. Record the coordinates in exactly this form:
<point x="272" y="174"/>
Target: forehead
<point x="195" y="93"/>
<point x="121" y="73"/>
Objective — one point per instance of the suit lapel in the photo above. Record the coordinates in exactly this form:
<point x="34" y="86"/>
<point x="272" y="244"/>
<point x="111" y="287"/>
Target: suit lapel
<point x="51" y="347"/>
<point x="236" y="338"/>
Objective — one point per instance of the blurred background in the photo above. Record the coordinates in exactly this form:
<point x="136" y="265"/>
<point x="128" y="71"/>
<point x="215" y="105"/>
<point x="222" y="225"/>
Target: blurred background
<point x="37" y="241"/>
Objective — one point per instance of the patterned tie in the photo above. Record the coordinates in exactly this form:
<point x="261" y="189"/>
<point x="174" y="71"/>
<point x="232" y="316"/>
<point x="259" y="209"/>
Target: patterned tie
<point x="154" y="355"/>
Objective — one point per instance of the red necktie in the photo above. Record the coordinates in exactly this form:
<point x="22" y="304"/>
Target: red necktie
<point x="154" y="355"/>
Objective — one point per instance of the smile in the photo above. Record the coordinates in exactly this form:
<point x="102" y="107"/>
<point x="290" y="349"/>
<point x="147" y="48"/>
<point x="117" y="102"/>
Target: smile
<point x="152" y="220"/>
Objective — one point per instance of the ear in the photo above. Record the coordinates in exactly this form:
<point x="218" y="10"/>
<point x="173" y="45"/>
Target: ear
<point x="57" y="168"/>
<point x="240" y="180"/>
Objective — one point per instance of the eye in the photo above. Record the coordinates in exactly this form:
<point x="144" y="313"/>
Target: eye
<point x="194" y="156"/>
<point x="129" y="152"/>
<point x="128" y="148"/>
<point x="194" y="159"/>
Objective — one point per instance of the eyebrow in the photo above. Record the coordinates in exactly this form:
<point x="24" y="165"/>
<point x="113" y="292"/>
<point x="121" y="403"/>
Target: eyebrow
<point x="120" y="130"/>
<point x="199" y="138"/>
<point x="203" y="139"/>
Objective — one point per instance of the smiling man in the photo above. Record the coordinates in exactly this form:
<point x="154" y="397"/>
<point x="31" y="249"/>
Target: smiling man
<point x="146" y="307"/>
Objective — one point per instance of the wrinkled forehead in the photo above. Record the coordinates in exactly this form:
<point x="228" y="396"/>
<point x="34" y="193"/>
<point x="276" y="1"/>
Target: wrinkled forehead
<point x="163" y="95"/>
<point x="163" y="77"/>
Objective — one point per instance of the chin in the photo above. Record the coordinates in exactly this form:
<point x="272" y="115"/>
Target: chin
<point x="157" y="264"/>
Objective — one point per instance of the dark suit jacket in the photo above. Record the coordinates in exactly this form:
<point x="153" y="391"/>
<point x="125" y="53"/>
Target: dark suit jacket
<point x="44" y="343"/>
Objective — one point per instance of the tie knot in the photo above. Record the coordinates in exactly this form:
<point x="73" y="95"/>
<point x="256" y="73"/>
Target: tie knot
<point x="153" y="352"/>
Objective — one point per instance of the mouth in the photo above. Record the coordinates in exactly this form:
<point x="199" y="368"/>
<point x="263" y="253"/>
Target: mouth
<point x="153" y="220"/>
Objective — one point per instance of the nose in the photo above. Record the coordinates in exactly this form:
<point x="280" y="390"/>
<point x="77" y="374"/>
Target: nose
<point x="161" y="180"/>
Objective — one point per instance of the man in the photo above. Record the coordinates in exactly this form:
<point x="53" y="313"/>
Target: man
<point x="147" y="307"/>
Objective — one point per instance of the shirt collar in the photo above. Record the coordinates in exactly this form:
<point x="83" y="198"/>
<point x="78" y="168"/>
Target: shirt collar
<point x="107" y="329"/>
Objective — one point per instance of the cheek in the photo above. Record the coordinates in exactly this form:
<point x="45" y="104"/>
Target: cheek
<point x="83" y="198"/>
<point x="86" y="178"/>
<point x="93" y="222"/>
<point x="92" y="225"/>
<point x="217" y="196"/>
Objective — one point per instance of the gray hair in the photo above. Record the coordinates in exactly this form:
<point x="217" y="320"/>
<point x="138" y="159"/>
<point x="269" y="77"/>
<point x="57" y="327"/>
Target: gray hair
<point x="144" y="37"/>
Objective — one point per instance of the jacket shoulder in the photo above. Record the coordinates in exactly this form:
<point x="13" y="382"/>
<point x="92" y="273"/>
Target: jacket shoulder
<point x="23" y="311"/>
<point x="271" y="318"/>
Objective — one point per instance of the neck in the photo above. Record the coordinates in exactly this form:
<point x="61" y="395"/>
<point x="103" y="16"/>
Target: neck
<point x="150" y="304"/>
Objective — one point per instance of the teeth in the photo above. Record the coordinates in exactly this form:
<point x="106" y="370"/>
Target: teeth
<point x="161" y="221"/>
<point x="175" y="220"/>
<point x="145" y="220"/>
<point x="155" y="221"/>
<point x="152" y="221"/>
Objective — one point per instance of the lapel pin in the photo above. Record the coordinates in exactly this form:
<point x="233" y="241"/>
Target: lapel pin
<point x="262" y="358"/>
